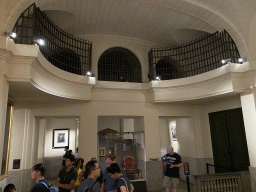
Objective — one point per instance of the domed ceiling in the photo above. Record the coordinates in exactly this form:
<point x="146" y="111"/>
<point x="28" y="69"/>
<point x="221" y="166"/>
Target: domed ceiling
<point x="161" y="23"/>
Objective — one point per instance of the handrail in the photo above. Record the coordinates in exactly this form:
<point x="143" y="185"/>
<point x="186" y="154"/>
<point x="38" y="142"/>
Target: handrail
<point x="207" y="167"/>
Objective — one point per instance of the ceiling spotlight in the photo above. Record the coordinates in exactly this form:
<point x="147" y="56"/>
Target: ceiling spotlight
<point x="158" y="78"/>
<point x="89" y="74"/>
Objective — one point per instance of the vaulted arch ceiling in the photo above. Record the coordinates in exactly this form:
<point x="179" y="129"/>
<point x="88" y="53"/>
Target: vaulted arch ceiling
<point x="156" y="21"/>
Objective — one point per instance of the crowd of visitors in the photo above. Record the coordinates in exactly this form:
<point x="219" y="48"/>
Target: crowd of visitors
<point x="71" y="177"/>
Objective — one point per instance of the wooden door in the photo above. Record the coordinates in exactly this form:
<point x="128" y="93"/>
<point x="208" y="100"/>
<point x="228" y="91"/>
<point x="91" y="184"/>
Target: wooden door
<point x="229" y="141"/>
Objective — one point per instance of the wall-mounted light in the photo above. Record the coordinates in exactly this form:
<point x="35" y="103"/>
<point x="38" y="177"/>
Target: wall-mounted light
<point x="241" y="60"/>
<point x="39" y="42"/>
<point x="226" y="61"/>
<point x="11" y="35"/>
<point x="158" y="78"/>
<point x="88" y="74"/>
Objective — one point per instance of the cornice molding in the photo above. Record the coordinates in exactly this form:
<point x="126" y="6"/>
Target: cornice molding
<point x="56" y="94"/>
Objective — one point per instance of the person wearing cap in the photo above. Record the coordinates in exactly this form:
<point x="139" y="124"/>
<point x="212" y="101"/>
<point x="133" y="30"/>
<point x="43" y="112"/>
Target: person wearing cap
<point x="172" y="162"/>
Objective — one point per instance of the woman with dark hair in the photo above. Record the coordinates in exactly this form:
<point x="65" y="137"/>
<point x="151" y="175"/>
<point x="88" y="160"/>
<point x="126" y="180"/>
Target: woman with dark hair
<point x="80" y="173"/>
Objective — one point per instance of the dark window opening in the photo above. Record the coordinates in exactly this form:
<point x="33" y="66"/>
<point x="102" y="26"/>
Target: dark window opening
<point x="165" y="69"/>
<point x="119" y="64"/>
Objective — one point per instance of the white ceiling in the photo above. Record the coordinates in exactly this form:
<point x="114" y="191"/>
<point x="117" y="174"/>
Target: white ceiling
<point x="153" y="22"/>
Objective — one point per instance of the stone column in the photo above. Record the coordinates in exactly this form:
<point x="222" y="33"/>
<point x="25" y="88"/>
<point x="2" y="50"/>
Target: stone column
<point x="249" y="114"/>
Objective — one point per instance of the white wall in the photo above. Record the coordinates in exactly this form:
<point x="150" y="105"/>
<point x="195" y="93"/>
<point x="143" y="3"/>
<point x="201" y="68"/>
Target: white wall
<point x="59" y="123"/>
<point x="164" y="135"/>
<point x="185" y="137"/>
<point x="111" y="122"/>
<point x="41" y="140"/>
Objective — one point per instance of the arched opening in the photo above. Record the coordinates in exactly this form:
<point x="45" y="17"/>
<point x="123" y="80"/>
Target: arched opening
<point x="119" y="64"/>
<point x="165" y="68"/>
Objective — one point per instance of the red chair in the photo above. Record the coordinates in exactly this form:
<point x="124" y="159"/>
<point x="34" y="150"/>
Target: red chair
<point x="130" y="167"/>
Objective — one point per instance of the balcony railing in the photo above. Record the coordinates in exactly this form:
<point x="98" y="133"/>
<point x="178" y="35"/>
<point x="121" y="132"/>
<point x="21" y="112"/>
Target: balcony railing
<point x="192" y="58"/>
<point x="62" y="49"/>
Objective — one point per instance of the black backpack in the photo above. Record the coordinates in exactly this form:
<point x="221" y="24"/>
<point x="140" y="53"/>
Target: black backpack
<point x="90" y="188"/>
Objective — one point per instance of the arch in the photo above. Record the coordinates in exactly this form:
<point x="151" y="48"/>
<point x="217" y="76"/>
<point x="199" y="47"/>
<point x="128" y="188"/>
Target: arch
<point x="119" y="64"/>
<point x="166" y="68"/>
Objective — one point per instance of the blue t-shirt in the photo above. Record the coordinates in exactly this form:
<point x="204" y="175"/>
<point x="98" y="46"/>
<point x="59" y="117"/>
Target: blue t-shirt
<point x="172" y="159"/>
<point x="109" y="183"/>
<point x="123" y="181"/>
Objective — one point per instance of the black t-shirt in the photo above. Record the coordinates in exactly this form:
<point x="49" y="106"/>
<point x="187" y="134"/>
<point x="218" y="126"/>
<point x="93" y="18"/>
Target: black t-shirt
<point x="172" y="159"/>
<point x="121" y="183"/>
<point x="67" y="177"/>
<point x="39" y="187"/>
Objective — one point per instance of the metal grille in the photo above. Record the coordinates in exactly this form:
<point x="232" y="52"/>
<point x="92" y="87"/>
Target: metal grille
<point x="119" y="64"/>
<point x="192" y="58"/>
<point x="63" y="50"/>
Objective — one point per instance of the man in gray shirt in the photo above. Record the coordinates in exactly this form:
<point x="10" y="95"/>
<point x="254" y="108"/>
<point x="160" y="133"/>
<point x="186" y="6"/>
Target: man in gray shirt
<point x="93" y="170"/>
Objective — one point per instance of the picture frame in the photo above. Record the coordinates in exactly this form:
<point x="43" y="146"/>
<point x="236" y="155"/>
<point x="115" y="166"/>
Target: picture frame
<point x="102" y="152"/>
<point x="7" y="141"/>
<point x="60" y="138"/>
<point x="174" y="135"/>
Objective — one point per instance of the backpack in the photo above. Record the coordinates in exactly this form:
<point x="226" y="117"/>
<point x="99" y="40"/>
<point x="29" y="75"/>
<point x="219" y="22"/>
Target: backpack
<point x="51" y="189"/>
<point x="90" y="187"/>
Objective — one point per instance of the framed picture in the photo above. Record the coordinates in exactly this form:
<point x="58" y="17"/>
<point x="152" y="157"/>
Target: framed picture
<point x="6" y="142"/>
<point x="60" y="138"/>
<point x="174" y="135"/>
<point x="102" y="152"/>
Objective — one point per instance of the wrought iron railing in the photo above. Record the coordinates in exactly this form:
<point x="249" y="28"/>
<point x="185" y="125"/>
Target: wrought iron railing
<point x="192" y="58"/>
<point x="62" y="49"/>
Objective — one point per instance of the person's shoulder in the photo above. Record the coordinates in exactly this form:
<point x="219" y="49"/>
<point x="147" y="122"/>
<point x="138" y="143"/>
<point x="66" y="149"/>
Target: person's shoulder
<point x="176" y="154"/>
<point x="73" y="169"/>
<point x="39" y="187"/>
<point x="85" y="183"/>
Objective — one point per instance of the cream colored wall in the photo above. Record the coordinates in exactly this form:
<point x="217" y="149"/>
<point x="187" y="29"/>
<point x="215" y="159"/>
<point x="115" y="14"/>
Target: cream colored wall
<point x="89" y="112"/>
<point x="59" y="123"/>
<point x="24" y="137"/>
<point x="185" y="137"/>
<point x="164" y="135"/>
<point x="109" y="122"/>
<point x="42" y="127"/>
